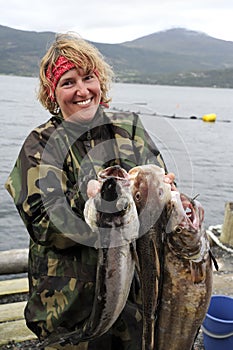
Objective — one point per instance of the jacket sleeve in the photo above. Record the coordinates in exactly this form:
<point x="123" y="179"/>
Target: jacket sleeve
<point x="49" y="203"/>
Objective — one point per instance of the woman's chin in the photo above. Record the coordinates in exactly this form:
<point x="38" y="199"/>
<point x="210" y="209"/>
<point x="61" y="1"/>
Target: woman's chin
<point x="83" y="115"/>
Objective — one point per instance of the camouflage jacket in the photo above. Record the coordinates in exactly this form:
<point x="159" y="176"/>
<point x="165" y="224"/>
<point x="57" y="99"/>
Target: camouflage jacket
<point x="48" y="185"/>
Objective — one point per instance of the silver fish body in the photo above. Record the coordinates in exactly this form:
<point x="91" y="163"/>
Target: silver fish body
<point x="114" y="277"/>
<point x="113" y="216"/>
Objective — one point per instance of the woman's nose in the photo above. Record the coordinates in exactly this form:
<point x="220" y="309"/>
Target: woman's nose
<point x="81" y="88"/>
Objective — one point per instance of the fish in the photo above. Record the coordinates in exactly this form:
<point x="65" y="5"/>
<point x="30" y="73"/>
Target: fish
<point x="113" y="216"/>
<point x="116" y="221"/>
<point x="151" y="195"/>
<point x="177" y="281"/>
<point x="187" y="278"/>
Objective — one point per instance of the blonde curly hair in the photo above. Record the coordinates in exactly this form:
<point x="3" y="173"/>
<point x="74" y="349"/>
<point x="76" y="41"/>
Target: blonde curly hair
<point x="83" y="55"/>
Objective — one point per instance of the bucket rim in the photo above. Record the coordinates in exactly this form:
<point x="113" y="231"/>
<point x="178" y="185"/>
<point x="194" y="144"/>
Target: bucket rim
<point x="216" y="296"/>
<point x="221" y="296"/>
<point x="216" y="335"/>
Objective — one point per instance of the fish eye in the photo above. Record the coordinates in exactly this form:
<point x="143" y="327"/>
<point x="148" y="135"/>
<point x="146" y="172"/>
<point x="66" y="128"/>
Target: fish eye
<point x="138" y="196"/>
<point x="178" y="229"/>
<point x="125" y="207"/>
<point x="160" y="192"/>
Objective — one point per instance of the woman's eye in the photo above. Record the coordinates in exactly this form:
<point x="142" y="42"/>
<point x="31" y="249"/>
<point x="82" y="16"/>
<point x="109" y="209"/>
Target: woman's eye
<point x="88" y="77"/>
<point x="67" y="83"/>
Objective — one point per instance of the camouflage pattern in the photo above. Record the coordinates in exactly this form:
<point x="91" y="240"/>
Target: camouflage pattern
<point x="48" y="185"/>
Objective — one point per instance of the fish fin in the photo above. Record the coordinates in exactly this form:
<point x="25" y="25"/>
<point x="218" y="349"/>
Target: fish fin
<point x="214" y="260"/>
<point x="157" y="260"/>
<point x="198" y="273"/>
<point x="195" y="197"/>
<point x="135" y="257"/>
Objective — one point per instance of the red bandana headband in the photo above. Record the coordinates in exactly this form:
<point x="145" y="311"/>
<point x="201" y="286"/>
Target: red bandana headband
<point x="62" y="65"/>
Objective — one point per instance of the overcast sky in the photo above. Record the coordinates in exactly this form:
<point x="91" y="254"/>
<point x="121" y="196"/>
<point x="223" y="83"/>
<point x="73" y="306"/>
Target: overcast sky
<point x="115" y="21"/>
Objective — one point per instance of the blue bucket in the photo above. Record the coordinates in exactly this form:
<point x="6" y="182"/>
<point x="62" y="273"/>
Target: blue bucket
<point x="218" y="324"/>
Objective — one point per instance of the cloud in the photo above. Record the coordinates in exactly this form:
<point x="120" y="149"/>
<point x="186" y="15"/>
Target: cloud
<point x="119" y="20"/>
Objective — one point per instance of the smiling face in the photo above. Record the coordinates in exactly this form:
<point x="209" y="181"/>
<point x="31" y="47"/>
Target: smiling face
<point x="78" y="95"/>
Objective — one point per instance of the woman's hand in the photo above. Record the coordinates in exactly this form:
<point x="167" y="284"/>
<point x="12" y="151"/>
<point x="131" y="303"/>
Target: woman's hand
<point x="169" y="179"/>
<point x="93" y="187"/>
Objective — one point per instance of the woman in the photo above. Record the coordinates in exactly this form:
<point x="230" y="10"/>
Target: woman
<point x="49" y="188"/>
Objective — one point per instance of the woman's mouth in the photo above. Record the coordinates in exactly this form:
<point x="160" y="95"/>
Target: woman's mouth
<point x="84" y="102"/>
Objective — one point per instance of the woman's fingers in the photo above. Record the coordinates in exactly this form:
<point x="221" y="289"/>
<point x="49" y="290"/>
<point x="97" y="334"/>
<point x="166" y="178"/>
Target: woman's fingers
<point x="93" y="187"/>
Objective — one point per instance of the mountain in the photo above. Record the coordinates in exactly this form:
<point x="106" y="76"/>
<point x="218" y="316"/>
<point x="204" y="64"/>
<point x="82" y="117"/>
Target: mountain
<point x="186" y="42"/>
<point x="176" y="56"/>
<point x="21" y="51"/>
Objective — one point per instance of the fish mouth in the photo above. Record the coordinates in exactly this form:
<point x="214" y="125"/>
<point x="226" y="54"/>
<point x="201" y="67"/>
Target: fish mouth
<point x="116" y="172"/>
<point x="186" y="214"/>
<point x="113" y="198"/>
<point x="185" y="233"/>
<point x="194" y="213"/>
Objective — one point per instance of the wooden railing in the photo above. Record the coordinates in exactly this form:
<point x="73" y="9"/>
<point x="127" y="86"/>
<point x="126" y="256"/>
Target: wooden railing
<point x="12" y="323"/>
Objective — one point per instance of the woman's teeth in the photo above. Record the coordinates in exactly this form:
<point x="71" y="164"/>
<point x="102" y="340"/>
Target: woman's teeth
<point x="84" y="102"/>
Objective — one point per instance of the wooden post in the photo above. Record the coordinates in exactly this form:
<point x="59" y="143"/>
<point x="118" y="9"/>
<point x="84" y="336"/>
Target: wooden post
<point x="227" y="228"/>
<point x="13" y="261"/>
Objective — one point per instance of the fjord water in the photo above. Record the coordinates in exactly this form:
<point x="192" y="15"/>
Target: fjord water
<point x="199" y="153"/>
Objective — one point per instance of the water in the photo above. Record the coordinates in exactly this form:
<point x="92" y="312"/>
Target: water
<point x="200" y="154"/>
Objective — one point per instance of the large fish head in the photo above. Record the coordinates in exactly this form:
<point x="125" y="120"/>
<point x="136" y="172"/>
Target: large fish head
<point x="112" y="212"/>
<point x="148" y="186"/>
<point x="188" y="235"/>
<point x="115" y="196"/>
<point x="192" y="220"/>
<point x="113" y="201"/>
<point x="188" y="240"/>
<point x="150" y="192"/>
